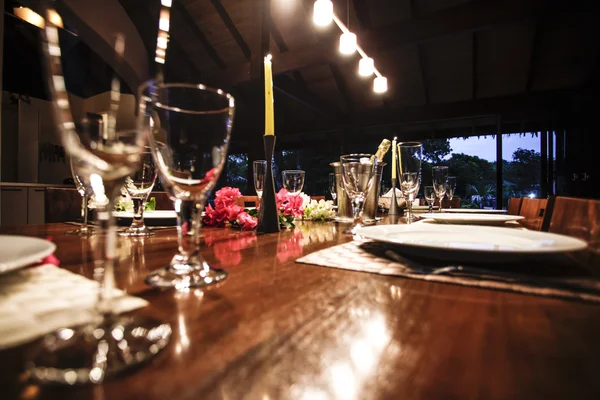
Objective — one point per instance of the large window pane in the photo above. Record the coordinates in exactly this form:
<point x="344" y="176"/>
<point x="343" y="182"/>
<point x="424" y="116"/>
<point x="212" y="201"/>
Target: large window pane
<point x="521" y="165"/>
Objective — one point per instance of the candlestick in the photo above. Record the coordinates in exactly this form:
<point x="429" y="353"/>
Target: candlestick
<point x="269" y="118"/>
<point x="268" y="216"/>
<point x="394" y="163"/>
<point x="393" y="201"/>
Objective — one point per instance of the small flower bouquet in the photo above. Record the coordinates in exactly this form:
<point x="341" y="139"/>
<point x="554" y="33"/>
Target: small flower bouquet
<point x="319" y="211"/>
<point x="227" y="212"/>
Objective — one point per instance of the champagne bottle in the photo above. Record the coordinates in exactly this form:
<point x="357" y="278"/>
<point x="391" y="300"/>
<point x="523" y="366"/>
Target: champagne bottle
<point x="383" y="148"/>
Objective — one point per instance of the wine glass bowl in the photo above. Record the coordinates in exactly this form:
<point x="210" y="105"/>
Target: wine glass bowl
<point x="332" y="186"/>
<point x="358" y="173"/>
<point x="410" y="155"/>
<point x="450" y="187"/>
<point x="429" y="195"/>
<point x="194" y="122"/>
<point x="293" y="180"/>
<point x="83" y="187"/>
<point x="259" y="171"/>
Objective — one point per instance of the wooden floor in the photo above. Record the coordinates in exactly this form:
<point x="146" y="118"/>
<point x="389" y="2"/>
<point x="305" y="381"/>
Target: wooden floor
<point x="280" y="330"/>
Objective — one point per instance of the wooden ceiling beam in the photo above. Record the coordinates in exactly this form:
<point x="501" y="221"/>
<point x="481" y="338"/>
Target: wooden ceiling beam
<point x="237" y="36"/>
<point x="296" y="91"/>
<point x="180" y="11"/>
<point x="342" y="87"/>
<point x="472" y="16"/>
<point x="276" y="35"/>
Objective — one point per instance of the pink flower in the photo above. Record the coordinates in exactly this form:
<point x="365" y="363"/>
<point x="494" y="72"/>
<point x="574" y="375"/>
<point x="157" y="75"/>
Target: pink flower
<point x="289" y="205"/>
<point x="233" y="211"/>
<point x="246" y="221"/>
<point x="226" y="197"/>
<point x="214" y="217"/>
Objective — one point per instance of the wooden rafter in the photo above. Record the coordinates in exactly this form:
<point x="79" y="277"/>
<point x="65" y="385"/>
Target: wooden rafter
<point x="298" y="92"/>
<point x="342" y="87"/>
<point x="276" y="35"/>
<point x="180" y="11"/>
<point x="237" y="36"/>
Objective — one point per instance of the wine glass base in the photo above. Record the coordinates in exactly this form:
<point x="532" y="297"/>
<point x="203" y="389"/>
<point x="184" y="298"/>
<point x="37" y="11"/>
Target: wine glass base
<point x="197" y="278"/>
<point x="92" y="352"/>
<point x="137" y="231"/>
<point x="82" y="232"/>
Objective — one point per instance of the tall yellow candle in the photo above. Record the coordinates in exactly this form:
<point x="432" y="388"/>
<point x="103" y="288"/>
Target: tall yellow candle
<point x="269" y="119"/>
<point x="394" y="164"/>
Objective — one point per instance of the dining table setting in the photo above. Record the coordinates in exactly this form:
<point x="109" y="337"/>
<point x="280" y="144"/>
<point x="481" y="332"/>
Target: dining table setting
<point x="371" y="295"/>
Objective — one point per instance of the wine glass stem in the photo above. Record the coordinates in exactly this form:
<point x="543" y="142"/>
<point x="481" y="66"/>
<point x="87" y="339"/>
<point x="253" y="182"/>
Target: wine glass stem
<point x="138" y="212"/>
<point x="409" y="206"/>
<point x="358" y="205"/>
<point x="189" y="218"/>
<point x="104" y="271"/>
<point x="84" y="210"/>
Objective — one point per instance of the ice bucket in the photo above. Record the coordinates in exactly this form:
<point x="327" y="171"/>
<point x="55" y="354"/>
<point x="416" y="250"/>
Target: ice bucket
<point x="345" y="204"/>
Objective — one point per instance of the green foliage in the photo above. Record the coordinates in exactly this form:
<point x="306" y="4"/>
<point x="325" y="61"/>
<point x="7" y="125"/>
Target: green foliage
<point x="435" y="150"/>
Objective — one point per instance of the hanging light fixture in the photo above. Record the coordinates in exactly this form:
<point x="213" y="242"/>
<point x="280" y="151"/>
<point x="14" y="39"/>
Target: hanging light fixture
<point x="323" y="12"/>
<point x="366" y="66"/>
<point x="347" y="43"/>
<point x="380" y="84"/>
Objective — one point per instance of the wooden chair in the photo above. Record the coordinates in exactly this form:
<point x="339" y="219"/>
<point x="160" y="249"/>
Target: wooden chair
<point x="317" y="198"/>
<point x="61" y="205"/>
<point x="445" y="202"/>
<point x="163" y="202"/>
<point x="533" y="210"/>
<point x="248" y="201"/>
<point x="579" y="218"/>
<point x="514" y="206"/>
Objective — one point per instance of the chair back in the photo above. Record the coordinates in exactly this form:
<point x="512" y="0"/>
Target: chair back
<point x="445" y="202"/>
<point x="514" y="206"/>
<point x="533" y="210"/>
<point x="248" y="201"/>
<point x="61" y="205"/>
<point x="317" y="198"/>
<point x="163" y="202"/>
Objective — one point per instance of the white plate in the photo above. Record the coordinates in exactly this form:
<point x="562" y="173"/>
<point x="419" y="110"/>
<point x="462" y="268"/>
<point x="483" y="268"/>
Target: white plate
<point x="471" y="243"/>
<point x="472" y="211"/>
<point x="156" y="214"/>
<point x="20" y="251"/>
<point x="471" y="219"/>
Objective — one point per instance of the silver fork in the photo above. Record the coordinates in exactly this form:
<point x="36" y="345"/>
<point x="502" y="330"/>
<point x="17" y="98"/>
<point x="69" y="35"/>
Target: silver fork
<point x="483" y="273"/>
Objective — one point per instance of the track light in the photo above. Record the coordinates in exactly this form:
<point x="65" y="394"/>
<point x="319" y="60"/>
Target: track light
<point x="323" y="12"/>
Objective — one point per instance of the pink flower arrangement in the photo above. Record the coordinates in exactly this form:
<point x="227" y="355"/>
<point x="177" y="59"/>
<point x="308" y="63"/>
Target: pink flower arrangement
<point x="226" y="211"/>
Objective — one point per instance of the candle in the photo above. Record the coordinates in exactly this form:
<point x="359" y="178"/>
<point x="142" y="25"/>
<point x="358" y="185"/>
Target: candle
<point x="394" y="166"/>
<point x="269" y="120"/>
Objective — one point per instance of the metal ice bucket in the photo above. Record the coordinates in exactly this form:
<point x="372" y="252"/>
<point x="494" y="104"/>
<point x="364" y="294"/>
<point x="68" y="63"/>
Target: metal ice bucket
<point x="345" y="204"/>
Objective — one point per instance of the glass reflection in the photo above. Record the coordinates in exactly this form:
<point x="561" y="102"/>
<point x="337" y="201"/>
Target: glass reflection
<point x="228" y="250"/>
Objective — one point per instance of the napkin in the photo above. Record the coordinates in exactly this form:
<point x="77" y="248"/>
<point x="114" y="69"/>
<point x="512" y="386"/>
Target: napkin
<point x="39" y="300"/>
<point x="366" y="256"/>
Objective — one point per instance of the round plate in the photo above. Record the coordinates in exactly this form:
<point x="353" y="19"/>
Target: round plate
<point x="20" y="251"/>
<point x="472" y="211"/>
<point x="471" y="219"/>
<point x="471" y="242"/>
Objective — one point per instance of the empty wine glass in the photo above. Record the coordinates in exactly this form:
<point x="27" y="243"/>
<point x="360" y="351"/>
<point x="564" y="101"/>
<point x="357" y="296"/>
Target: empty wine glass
<point x="429" y="194"/>
<point x="358" y="171"/>
<point x="440" y="179"/>
<point x="138" y="186"/>
<point x="293" y="180"/>
<point x="194" y="122"/>
<point x="410" y="155"/>
<point x="450" y="187"/>
<point x="112" y="343"/>
<point x="85" y="190"/>
<point x="260" y="169"/>
<point x="332" y="186"/>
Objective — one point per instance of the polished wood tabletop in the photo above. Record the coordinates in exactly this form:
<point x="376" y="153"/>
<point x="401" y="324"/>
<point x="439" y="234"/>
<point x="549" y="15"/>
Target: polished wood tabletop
<point x="281" y="330"/>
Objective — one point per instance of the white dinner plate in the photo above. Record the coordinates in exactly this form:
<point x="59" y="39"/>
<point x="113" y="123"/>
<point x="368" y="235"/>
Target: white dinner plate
<point x="471" y="219"/>
<point x="472" y="211"/>
<point x="20" y="251"/>
<point x="471" y="243"/>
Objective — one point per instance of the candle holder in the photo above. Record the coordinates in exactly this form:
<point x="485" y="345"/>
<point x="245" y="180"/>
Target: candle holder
<point x="394" y="201"/>
<point x="268" y="215"/>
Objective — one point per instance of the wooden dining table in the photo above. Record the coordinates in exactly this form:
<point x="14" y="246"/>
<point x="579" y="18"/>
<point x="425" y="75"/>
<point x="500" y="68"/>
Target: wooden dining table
<point x="276" y="329"/>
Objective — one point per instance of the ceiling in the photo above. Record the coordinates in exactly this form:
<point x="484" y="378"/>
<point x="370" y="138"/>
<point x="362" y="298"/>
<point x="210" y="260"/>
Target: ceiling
<point x="452" y="65"/>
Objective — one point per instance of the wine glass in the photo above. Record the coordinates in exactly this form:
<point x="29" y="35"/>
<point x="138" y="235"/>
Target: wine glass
<point x="112" y="343"/>
<point x="194" y="122"/>
<point x="440" y="180"/>
<point x="293" y="180"/>
<point x="429" y="194"/>
<point x="85" y="190"/>
<point x="138" y="186"/>
<point x="450" y="187"/>
<point x="332" y="186"/>
<point x="410" y="155"/>
<point x="358" y="171"/>
<point x="260" y="168"/>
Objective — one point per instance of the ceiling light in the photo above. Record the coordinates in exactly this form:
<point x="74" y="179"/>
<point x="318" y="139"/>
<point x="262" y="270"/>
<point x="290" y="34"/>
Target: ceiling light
<point x="347" y="43"/>
<point x="28" y="15"/>
<point x="163" y="22"/>
<point x="380" y="84"/>
<point x="166" y="3"/>
<point x="323" y="12"/>
<point x="366" y="66"/>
